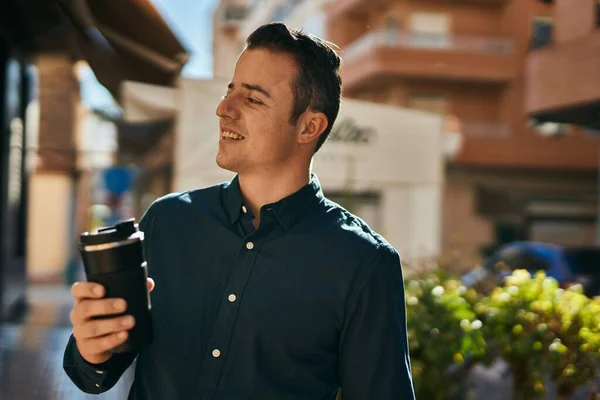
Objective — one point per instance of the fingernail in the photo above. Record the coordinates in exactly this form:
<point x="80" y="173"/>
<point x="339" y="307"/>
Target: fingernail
<point x="119" y="304"/>
<point x="121" y="335"/>
<point x="99" y="290"/>
<point x="127" y="321"/>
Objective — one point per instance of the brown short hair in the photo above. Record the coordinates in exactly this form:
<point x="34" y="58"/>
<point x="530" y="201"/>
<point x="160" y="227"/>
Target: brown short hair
<point x="318" y="86"/>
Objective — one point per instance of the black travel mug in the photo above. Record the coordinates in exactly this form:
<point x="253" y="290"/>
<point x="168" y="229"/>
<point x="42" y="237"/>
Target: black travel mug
<point x="114" y="258"/>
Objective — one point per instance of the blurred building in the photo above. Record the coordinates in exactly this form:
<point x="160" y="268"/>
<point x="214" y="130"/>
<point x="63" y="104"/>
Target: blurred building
<point x="146" y="139"/>
<point x="508" y="176"/>
<point x="17" y="80"/>
<point x="563" y="78"/>
<point x="234" y="20"/>
<point x="45" y="177"/>
<point x="227" y="39"/>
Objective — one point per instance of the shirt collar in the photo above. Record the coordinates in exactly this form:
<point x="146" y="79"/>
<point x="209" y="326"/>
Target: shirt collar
<point x="288" y="210"/>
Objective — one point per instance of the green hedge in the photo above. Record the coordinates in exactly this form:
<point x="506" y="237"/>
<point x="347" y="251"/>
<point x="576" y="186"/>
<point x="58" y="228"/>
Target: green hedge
<point x="539" y="329"/>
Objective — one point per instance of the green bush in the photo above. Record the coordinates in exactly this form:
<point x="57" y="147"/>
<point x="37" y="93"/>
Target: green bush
<point x="542" y="330"/>
<point x="443" y="333"/>
<point x="539" y="329"/>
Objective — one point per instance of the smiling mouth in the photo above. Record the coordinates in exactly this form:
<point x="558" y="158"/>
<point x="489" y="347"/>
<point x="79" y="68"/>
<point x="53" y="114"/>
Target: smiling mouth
<point x="226" y="135"/>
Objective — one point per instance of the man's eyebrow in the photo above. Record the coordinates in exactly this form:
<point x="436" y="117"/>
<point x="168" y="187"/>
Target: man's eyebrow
<point x="248" y="86"/>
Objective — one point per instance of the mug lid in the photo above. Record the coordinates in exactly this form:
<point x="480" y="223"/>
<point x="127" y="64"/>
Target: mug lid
<point x="110" y="234"/>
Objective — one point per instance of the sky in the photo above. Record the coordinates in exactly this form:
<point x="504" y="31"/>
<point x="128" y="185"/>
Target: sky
<point x="191" y="20"/>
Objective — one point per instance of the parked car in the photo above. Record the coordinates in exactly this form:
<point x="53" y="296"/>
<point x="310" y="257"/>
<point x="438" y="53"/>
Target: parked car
<point x="568" y="265"/>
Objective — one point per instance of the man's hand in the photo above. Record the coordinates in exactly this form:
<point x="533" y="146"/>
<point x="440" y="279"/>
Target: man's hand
<point x="96" y="337"/>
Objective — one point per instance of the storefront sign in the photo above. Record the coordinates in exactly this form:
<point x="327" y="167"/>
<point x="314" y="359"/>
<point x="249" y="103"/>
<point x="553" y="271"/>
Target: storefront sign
<point x="348" y="131"/>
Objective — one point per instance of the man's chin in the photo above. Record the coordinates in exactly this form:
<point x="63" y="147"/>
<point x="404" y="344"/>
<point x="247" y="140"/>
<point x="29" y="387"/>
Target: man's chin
<point x="226" y="165"/>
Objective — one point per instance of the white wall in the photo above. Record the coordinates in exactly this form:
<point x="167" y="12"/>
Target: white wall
<point x="197" y="134"/>
<point x="48" y="229"/>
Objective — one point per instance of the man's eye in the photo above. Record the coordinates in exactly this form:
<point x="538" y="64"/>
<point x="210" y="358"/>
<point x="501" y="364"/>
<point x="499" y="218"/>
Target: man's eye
<point x="252" y="101"/>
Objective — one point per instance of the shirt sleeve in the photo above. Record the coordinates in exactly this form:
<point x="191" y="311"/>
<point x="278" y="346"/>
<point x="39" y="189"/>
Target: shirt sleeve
<point x="96" y="379"/>
<point x="374" y="356"/>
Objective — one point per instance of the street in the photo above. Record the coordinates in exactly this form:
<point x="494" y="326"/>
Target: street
<point x="31" y="352"/>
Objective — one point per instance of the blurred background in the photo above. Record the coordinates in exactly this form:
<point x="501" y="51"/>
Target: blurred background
<point x="469" y="137"/>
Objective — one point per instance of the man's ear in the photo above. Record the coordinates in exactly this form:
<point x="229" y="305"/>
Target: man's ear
<point x="312" y="125"/>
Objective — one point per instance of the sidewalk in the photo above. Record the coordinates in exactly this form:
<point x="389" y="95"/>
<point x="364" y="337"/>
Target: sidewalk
<point x="31" y="352"/>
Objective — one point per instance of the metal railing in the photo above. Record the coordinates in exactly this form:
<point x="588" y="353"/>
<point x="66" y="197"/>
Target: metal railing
<point x="478" y="129"/>
<point x="406" y="39"/>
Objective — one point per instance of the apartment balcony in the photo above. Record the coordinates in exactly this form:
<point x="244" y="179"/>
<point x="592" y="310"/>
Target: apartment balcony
<point x="471" y="129"/>
<point x="385" y="55"/>
<point x="497" y="144"/>
<point x="563" y="82"/>
<point x="349" y="7"/>
<point x="361" y="7"/>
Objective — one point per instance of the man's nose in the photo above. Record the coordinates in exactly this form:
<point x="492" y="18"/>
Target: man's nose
<point x="228" y="107"/>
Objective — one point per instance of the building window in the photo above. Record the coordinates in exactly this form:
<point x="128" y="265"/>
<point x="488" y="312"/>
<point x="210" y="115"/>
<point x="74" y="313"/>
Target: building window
<point x="430" y="29"/>
<point x="563" y="222"/>
<point x="541" y="32"/>
<point x="432" y="103"/>
<point x="235" y="12"/>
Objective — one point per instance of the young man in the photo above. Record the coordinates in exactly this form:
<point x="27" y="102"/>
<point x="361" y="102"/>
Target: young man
<point x="264" y="288"/>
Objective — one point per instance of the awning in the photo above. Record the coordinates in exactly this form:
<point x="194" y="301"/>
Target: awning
<point x="120" y="39"/>
<point x="585" y="115"/>
<point x="125" y="40"/>
<point x="137" y="139"/>
<point x="142" y="102"/>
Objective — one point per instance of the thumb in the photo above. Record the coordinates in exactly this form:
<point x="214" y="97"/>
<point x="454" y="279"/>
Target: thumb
<point x="151" y="284"/>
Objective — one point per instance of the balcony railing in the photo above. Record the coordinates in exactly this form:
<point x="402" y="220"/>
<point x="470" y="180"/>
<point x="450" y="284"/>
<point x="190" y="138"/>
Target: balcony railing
<point x="428" y="41"/>
<point x="459" y="132"/>
<point x="477" y="128"/>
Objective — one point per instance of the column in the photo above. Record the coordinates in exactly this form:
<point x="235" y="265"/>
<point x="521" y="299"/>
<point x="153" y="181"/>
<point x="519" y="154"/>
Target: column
<point x="52" y="198"/>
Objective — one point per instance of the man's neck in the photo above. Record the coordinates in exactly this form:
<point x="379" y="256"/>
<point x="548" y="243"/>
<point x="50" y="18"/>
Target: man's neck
<point x="267" y="188"/>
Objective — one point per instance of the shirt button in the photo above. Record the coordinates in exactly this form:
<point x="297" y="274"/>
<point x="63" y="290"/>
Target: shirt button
<point x="216" y="353"/>
<point x="232" y="298"/>
<point x="249" y="245"/>
<point x="99" y="372"/>
<point x="244" y="209"/>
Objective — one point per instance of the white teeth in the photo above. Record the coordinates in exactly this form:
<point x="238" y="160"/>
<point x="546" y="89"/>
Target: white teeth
<point x="231" y="135"/>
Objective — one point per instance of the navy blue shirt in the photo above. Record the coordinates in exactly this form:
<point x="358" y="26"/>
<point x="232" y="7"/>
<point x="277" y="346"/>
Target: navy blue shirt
<point x="310" y="302"/>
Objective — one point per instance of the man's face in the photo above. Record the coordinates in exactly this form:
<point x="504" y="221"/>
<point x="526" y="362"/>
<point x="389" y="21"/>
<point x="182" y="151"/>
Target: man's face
<point x="254" y="116"/>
